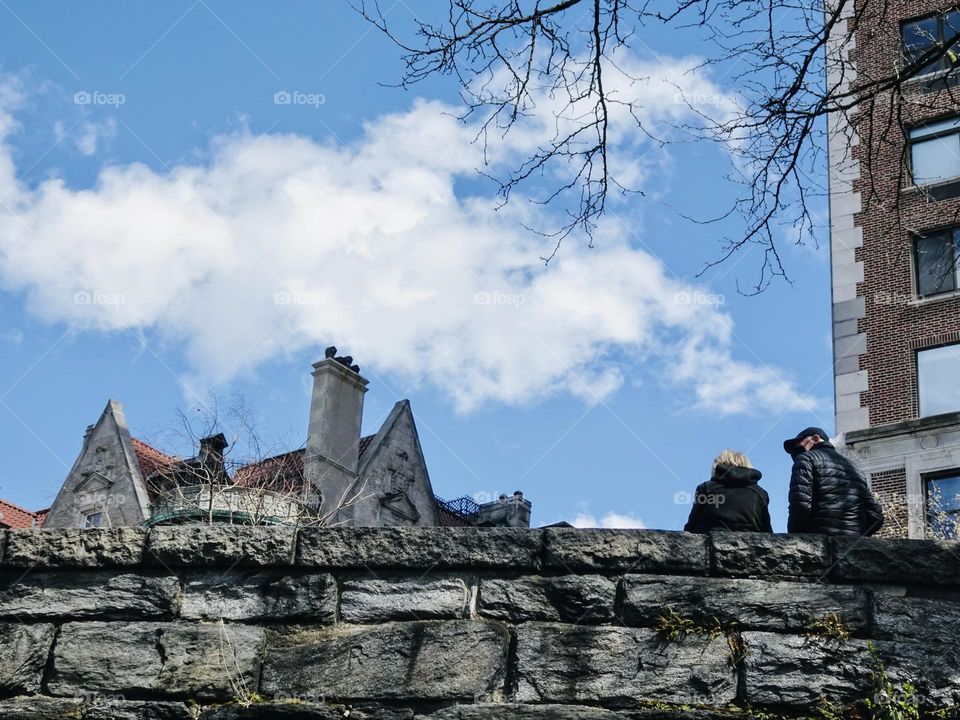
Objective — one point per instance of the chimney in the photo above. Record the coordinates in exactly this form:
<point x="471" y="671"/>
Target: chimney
<point x="506" y="511"/>
<point x="333" y="440"/>
<point x="211" y="457"/>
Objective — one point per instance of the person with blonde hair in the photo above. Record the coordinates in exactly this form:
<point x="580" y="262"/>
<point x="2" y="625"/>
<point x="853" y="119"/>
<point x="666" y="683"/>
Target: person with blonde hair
<point x="731" y="499"/>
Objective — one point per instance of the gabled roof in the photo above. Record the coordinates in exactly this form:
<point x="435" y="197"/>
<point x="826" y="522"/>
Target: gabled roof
<point x="18" y="518"/>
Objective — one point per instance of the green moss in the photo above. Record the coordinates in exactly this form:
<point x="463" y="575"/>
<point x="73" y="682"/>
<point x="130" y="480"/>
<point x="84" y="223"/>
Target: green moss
<point x="831" y="626"/>
<point x="673" y="626"/>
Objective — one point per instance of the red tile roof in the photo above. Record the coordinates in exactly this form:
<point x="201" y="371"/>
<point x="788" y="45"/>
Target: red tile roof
<point x="149" y="458"/>
<point x="283" y="469"/>
<point x="281" y="472"/>
<point x="448" y="518"/>
<point x="18" y="518"/>
<point x="365" y="443"/>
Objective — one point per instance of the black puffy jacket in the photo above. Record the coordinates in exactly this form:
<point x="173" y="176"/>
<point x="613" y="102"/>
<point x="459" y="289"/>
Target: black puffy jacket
<point x="829" y="495"/>
<point x="731" y="500"/>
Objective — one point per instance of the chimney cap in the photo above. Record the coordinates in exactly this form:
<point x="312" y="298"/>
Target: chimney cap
<point x="347" y="360"/>
<point x="217" y="442"/>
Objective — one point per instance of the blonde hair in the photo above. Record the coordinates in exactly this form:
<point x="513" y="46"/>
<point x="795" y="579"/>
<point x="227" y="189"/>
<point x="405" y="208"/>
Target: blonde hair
<point x="731" y="457"/>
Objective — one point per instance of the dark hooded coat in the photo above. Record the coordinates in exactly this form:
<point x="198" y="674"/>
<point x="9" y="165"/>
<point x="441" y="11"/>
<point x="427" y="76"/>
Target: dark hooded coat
<point x="730" y="500"/>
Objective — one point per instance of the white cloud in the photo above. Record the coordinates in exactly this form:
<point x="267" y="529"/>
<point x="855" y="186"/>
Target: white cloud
<point x="281" y="243"/>
<point x="14" y="336"/>
<point x="610" y="520"/>
<point x="85" y="135"/>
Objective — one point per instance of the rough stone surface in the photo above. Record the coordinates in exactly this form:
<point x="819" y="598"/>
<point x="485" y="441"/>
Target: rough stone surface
<point x="794" y="670"/>
<point x="198" y="661"/>
<point x="42" y="595"/>
<point x="223" y="546"/>
<point x="495" y="711"/>
<point x="40" y="708"/>
<point x="936" y="621"/>
<point x="933" y="669"/>
<point x="684" y="712"/>
<point x="574" y="598"/>
<point x="577" y="664"/>
<point x="23" y="655"/>
<point x="782" y="606"/>
<point x="70" y="548"/>
<point x="759" y="554"/>
<point x="246" y="595"/>
<point x="309" y="711"/>
<point x="415" y="661"/>
<point x="926" y="561"/>
<point x="419" y="548"/>
<point x="377" y="600"/>
<point x="121" y="710"/>
<point x="138" y="640"/>
<point x="573" y="550"/>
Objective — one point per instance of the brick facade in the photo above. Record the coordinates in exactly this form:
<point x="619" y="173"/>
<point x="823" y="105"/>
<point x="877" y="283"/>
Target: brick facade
<point x="890" y="487"/>
<point x="879" y="321"/>
<point x="896" y="324"/>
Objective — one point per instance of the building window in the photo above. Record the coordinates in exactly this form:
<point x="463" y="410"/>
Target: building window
<point x="943" y="505"/>
<point x="93" y="520"/>
<point x="923" y="35"/>
<point x="938" y="380"/>
<point x="935" y="151"/>
<point x="935" y="258"/>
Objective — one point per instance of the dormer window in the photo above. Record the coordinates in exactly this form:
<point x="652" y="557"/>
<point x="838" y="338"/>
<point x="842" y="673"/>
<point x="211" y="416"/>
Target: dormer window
<point x="925" y="35"/>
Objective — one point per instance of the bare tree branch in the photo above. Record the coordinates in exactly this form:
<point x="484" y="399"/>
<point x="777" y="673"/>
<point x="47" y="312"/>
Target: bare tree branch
<point x="772" y="55"/>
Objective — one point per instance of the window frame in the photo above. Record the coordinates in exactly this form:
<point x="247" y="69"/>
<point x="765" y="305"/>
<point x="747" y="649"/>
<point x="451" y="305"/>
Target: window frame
<point x="87" y="515"/>
<point x="943" y="64"/>
<point x="928" y="479"/>
<point x="915" y="238"/>
<point x="916" y="366"/>
<point x="911" y="141"/>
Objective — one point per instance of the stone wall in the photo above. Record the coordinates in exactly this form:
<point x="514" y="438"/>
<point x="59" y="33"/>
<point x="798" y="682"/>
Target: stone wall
<point x="464" y="623"/>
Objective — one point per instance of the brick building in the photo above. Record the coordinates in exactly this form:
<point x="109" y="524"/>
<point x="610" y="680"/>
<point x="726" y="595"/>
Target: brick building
<point x="895" y="245"/>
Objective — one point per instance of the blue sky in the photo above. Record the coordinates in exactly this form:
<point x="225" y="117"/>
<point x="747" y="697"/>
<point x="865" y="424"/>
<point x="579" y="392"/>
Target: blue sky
<point x="170" y="232"/>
